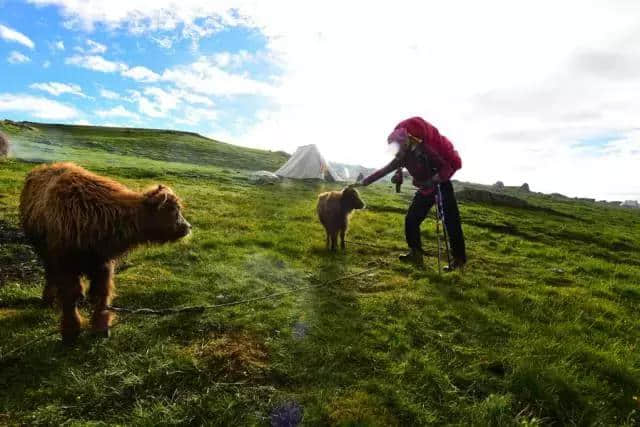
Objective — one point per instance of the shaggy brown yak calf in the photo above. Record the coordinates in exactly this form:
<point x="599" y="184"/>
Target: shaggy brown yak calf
<point x="334" y="208"/>
<point x="79" y="223"/>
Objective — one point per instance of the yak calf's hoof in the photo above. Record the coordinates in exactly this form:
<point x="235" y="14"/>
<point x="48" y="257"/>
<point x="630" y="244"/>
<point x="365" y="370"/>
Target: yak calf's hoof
<point x="101" y="322"/>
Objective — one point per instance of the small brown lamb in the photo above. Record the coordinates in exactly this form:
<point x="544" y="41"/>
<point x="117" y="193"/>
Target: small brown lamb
<point x="4" y="145"/>
<point x="80" y="222"/>
<point x="334" y="208"/>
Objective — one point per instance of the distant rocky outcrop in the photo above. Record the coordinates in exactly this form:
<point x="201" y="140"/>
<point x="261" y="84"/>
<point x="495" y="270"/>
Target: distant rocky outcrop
<point x="263" y="177"/>
<point x="633" y="204"/>
<point x="349" y="172"/>
<point x="525" y="187"/>
<point x="499" y="185"/>
<point x="491" y="198"/>
<point x="21" y="125"/>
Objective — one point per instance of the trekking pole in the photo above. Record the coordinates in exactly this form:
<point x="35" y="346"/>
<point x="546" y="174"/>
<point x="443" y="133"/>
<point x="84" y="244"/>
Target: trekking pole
<point x="440" y="207"/>
<point x="438" y="236"/>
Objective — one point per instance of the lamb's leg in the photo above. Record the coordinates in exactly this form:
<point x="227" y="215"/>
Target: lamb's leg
<point x="101" y="293"/>
<point x="342" y="244"/>
<point x="334" y="240"/>
<point x="70" y="292"/>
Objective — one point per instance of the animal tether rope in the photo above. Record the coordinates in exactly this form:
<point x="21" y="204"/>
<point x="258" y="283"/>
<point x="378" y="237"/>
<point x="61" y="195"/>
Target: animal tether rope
<point x="190" y="309"/>
<point x="200" y="308"/>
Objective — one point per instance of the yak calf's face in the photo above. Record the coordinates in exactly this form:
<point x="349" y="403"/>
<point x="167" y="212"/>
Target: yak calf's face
<point x="351" y="199"/>
<point x="164" y="220"/>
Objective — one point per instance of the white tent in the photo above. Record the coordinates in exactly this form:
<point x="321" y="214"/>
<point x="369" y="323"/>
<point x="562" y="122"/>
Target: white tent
<point x="307" y="163"/>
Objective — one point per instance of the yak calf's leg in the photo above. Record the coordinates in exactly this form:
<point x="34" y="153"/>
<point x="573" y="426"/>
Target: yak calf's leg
<point x="70" y="292"/>
<point x="50" y="289"/>
<point x="342" y="244"/>
<point x="100" y="294"/>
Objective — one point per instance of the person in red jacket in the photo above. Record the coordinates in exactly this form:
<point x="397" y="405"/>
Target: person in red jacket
<point x="431" y="160"/>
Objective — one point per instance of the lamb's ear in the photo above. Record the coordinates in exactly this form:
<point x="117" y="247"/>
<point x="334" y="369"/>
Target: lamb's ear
<point x="157" y="197"/>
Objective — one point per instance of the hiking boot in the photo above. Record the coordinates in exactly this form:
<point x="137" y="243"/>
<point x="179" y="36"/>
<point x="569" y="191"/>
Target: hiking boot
<point x="455" y="265"/>
<point x="415" y="256"/>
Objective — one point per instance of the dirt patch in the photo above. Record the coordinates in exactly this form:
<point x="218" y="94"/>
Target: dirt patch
<point x="18" y="261"/>
<point x="235" y="355"/>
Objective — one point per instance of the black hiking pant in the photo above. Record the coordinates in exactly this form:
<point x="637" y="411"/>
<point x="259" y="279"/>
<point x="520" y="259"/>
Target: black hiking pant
<point x="419" y="210"/>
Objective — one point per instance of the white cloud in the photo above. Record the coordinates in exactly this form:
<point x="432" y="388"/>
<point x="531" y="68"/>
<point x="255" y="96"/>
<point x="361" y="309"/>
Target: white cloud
<point x="82" y="123"/>
<point x="36" y="106"/>
<point x="141" y="74"/>
<point x="206" y="77"/>
<point x="165" y="42"/>
<point x="56" y="88"/>
<point x="490" y="73"/>
<point x="155" y="102"/>
<point x="233" y="60"/>
<point x="118" y="111"/>
<point x="108" y="94"/>
<point x="11" y="35"/>
<point x="193" y="116"/>
<point x="161" y="15"/>
<point x="95" y="47"/>
<point x="59" y="45"/>
<point x="506" y="81"/>
<point x="16" y="57"/>
<point x="96" y="63"/>
<point x="192" y="98"/>
<point x="46" y="64"/>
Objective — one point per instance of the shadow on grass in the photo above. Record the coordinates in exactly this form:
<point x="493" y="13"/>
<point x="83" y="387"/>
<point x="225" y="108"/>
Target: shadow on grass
<point x="336" y="327"/>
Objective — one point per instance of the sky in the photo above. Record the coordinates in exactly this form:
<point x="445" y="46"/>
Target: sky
<point x="543" y="92"/>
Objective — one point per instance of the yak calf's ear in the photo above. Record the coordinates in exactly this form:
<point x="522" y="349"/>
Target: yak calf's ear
<point x="157" y="197"/>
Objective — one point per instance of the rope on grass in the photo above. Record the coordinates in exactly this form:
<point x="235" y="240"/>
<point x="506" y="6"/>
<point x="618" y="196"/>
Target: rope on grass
<point x="370" y="245"/>
<point x="37" y="340"/>
<point x="201" y="308"/>
<point x="27" y="344"/>
<point x="191" y="309"/>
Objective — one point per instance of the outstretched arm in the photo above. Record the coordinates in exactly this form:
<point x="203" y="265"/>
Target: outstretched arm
<point x="393" y="165"/>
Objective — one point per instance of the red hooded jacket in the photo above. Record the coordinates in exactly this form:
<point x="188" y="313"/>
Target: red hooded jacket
<point x="441" y="157"/>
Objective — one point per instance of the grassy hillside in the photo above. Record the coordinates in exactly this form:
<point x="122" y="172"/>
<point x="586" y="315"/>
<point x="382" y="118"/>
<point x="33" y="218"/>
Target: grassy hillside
<point x="50" y="141"/>
<point x="541" y="329"/>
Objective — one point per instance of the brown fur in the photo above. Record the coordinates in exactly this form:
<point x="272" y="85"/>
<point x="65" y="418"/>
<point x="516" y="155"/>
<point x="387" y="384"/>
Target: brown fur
<point x="80" y="223"/>
<point x="334" y="208"/>
<point x="4" y="145"/>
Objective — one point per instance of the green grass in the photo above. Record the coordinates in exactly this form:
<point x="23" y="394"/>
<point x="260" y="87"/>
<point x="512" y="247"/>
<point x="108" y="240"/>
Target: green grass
<point x="542" y="329"/>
